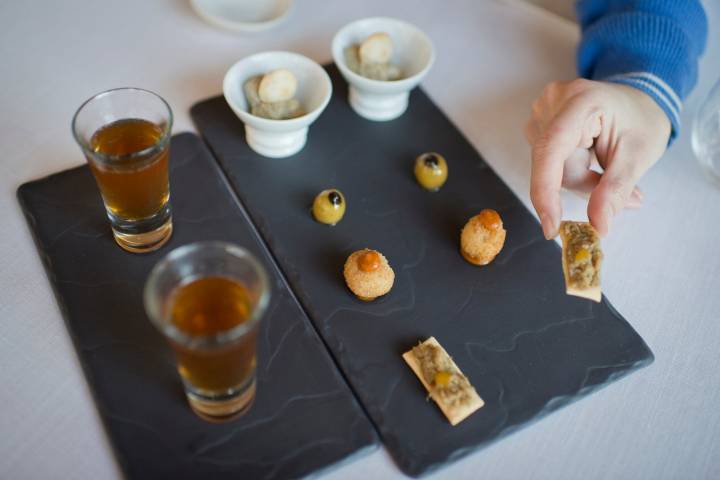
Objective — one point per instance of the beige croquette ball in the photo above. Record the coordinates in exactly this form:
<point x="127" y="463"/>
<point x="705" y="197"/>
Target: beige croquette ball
<point x="482" y="237"/>
<point x="368" y="274"/>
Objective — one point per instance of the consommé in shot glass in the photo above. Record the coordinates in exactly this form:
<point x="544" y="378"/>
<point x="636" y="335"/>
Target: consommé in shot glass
<point x="125" y="136"/>
<point x="207" y="299"/>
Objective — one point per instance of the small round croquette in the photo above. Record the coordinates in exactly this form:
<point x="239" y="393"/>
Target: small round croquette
<point x="482" y="237"/>
<point x="368" y="274"/>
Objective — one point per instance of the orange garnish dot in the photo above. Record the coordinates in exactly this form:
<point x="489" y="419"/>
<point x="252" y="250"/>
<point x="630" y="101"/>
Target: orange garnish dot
<point x="582" y="255"/>
<point x="442" y="379"/>
<point x="369" y="261"/>
<point x="490" y="219"/>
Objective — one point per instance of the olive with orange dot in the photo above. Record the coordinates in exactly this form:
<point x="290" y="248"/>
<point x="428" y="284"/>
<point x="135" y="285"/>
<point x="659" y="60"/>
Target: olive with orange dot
<point x="368" y="274"/>
<point x="329" y="206"/>
<point x="431" y="171"/>
<point x="482" y="237"/>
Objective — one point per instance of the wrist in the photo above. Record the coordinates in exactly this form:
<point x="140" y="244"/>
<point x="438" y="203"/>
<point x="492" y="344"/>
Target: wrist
<point x="659" y="108"/>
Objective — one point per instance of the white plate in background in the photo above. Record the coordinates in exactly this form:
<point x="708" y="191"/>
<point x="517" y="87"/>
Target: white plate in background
<point x="242" y="15"/>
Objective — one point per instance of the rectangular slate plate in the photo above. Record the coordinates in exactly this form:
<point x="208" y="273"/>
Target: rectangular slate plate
<point x="304" y="417"/>
<point x="526" y="346"/>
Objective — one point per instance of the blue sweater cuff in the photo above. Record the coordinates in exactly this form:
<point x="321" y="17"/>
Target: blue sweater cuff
<point x="652" y="45"/>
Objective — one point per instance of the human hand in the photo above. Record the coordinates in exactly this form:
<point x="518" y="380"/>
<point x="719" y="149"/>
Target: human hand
<point x="573" y="123"/>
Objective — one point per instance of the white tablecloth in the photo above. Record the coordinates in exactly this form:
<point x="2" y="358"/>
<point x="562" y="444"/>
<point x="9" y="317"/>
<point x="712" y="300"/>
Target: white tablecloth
<point x="662" y="270"/>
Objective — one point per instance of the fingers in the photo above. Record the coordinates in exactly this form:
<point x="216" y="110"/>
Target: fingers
<point x="591" y="130"/>
<point x="531" y="131"/>
<point x="550" y="150"/>
<point x="545" y="183"/>
<point x="615" y="190"/>
<point x="577" y="175"/>
<point x="579" y="178"/>
<point x="585" y="184"/>
<point x="619" y="125"/>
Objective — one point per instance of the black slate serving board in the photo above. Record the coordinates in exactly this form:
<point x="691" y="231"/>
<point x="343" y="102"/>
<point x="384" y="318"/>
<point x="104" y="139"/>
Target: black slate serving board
<point x="304" y="418"/>
<point x="527" y="347"/>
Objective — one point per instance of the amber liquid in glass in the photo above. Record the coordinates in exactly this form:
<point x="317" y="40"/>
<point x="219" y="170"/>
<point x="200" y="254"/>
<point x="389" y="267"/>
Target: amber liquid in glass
<point x="135" y="186"/>
<point x="208" y="306"/>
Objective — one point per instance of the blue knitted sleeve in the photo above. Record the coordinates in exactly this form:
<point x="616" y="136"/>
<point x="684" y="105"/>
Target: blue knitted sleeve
<point x="653" y="45"/>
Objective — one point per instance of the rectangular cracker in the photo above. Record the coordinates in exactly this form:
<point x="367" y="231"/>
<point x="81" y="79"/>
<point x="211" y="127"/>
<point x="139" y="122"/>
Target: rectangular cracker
<point x="454" y="415"/>
<point x="592" y="293"/>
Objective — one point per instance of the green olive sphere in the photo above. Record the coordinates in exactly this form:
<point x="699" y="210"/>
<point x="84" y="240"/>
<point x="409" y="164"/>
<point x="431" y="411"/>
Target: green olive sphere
<point x="431" y="171"/>
<point x="329" y="206"/>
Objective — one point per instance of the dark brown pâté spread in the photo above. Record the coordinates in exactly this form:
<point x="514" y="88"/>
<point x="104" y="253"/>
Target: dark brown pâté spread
<point x="582" y="254"/>
<point x="447" y="383"/>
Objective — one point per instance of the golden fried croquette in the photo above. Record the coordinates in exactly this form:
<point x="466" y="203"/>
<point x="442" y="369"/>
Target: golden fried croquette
<point x="482" y="237"/>
<point x="368" y="274"/>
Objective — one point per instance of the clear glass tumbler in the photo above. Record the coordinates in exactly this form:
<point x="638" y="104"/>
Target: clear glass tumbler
<point x="125" y="136"/>
<point x="207" y="299"/>
<point x="706" y="134"/>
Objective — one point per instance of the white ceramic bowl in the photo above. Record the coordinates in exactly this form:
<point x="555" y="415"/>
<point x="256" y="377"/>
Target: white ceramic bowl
<point x="242" y="16"/>
<point x="278" y="138"/>
<point x="413" y="52"/>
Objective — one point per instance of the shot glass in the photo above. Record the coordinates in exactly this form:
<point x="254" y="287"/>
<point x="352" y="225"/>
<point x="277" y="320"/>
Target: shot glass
<point x="207" y="299"/>
<point x="125" y="136"/>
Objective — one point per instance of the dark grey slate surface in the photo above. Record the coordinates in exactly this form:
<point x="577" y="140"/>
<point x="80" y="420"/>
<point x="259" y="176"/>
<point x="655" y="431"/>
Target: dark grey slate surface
<point x="304" y="417"/>
<point x="526" y="346"/>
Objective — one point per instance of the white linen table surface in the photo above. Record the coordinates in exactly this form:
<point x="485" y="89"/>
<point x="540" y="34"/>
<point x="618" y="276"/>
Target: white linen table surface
<point x="662" y="269"/>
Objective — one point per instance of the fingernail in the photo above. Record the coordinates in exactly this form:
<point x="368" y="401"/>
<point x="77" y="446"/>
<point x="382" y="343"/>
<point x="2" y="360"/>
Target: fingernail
<point x="549" y="226"/>
<point x="639" y="194"/>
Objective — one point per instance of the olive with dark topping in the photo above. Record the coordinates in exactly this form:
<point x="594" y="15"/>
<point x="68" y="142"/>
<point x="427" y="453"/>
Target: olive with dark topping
<point x="431" y="171"/>
<point x="431" y="160"/>
<point x="329" y="207"/>
<point x="334" y="198"/>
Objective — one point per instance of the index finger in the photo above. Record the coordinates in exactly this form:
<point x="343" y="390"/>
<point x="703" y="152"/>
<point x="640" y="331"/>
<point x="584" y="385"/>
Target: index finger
<point x="552" y="148"/>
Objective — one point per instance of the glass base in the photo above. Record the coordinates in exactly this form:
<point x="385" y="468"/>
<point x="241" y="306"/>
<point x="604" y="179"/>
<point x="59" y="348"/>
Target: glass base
<point x="144" y="242"/>
<point x="143" y="236"/>
<point x="222" y="408"/>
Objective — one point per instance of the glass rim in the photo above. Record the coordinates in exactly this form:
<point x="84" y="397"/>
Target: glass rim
<point x="163" y="323"/>
<point x="107" y="158"/>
